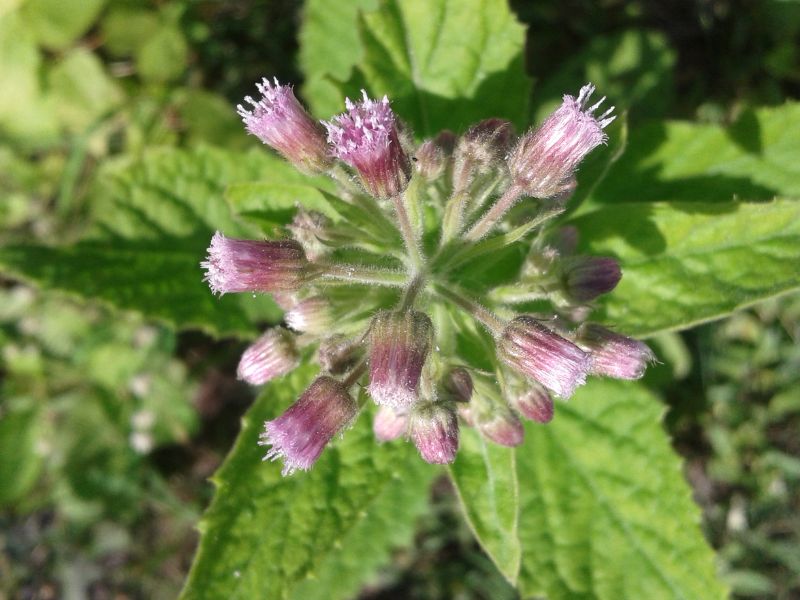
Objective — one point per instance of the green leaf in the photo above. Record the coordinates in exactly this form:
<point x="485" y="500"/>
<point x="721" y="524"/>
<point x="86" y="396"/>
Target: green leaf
<point x="604" y="509"/>
<point x="164" y="56"/>
<point x="485" y="478"/>
<point x="153" y="222"/>
<point x="58" y="23"/>
<point x="20" y="459"/>
<point x="445" y="63"/>
<point x="685" y="263"/>
<point x="755" y="158"/>
<point x="329" y="48"/>
<point x="311" y="535"/>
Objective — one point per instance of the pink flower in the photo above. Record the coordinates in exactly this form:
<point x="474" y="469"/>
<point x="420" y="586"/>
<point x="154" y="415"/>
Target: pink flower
<point x="545" y="159"/>
<point x="270" y="356"/>
<point x="399" y="345"/>
<point x="388" y="424"/>
<point x="300" y="434"/>
<point x="253" y="266"/>
<point x="533" y="350"/>
<point x="614" y="355"/>
<point x="500" y="426"/>
<point x="434" y="429"/>
<point x="278" y="120"/>
<point x="366" y="138"/>
<point x="534" y="403"/>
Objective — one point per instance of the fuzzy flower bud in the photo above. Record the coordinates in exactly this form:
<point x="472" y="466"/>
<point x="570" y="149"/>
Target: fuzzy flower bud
<point x="338" y="354"/>
<point x="545" y="159"/>
<point x="480" y="149"/>
<point x="310" y="229"/>
<point x="500" y="426"/>
<point x="388" y="424"/>
<point x="534" y="403"/>
<point x="253" y="266"/>
<point x="366" y="137"/>
<point x="312" y="315"/>
<point x="533" y="350"/>
<point x="278" y="120"/>
<point x="614" y="355"/>
<point x="434" y="429"/>
<point x="300" y="434"/>
<point x="270" y="356"/>
<point x="399" y="345"/>
<point x="587" y="277"/>
<point x="458" y="385"/>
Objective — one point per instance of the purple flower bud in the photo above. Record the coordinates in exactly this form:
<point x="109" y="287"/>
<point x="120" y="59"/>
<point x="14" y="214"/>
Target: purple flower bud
<point x="312" y="315"/>
<point x="434" y="429"/>
<point x="366" y="137"/>
<point x="300" y="434"/>
<point x="480" y="149"/>
<point x="270" y="356"/>
<point x="532" y="349"/>
<point x="501" y="426"/>
<point x="388" y="424"/>
<point x="587" y="277"/>
<point x="458" y="385"/>
<point x="338" y="354"/>
<point x="534" y="403"/>
<point x="253" y="266"/>
<point x="278" y="120"/>
<point x="545" y="159"/>
<point x="430" y="160"/>
<point x="311" y="229"/>
<point x="614" y="355"/>
<point x="399" y="345"/>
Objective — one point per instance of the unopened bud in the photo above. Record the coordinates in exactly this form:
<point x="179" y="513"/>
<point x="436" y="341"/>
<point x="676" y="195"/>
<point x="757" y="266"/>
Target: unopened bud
<point x="532" y="349"/>
<point x="338" y="354"/>
<point x="310" y="229"/>
<point x="253" y="266"/>
<point x="500" y="426"/>
<point x="534" y="403"/>
<point x="270" y="356"/>
<point x="458" y="385"/>
<point x="587" y="277"/>
<point x="399" y="345"/>
<point x="544" y="160"/>
<point x="300" y="434"/>
<point x="366" y="137"/>
<point x="433" y="155"/>
<point x="614" y="355"/>
<point x="434" y="429"/>
<point x="388" y="424"/>
<point x="278" y="120"/>
<point x="480" y="149"/>
<point x="312" y="315"/>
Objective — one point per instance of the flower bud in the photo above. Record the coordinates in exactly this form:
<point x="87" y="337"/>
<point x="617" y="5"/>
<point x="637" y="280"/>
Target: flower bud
<point x="270" y="356"/>
<point x="434" y="429"/>
<point x="614" y="355"/>
<point x="366" y="137"/>
<point x="388" y="424"/>
<point x="430" y="160"/>
<point x="338" y="354"/>
<point x="310" y="229"/>
<point x="458" y="385"/>
<point x="480" y="149"/>
<point x="587" y="277"/>
<point x="500" y="426"/>
<point x="312" y="315"/>
<point x="253" y="266"/>
<point x="533" y="350"/>
<point x="399" y="345"/>
<point x="545" y="159"/>
<point x="300" y="434"/>
<point x="534" y="403"/>
<point x="278" y="120"/>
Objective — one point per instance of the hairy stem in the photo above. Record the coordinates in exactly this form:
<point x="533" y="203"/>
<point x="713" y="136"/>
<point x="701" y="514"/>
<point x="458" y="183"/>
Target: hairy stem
<point x="478" y="312"/>
<point x="494" y="214"/>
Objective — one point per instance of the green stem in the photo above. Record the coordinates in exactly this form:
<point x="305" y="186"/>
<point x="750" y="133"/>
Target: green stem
<point x="453" y="218"/>
<point x="351" y="274"/>
<point x="494" y="214"/>
<point x="407" y="231"/>
<point x="478" y="312"/>
<point x="411" y="292"/>
<point x="354" y="375"/>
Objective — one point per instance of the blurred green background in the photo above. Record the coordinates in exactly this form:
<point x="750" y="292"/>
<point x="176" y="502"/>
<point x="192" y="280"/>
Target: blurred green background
<point x="111" y="425"/>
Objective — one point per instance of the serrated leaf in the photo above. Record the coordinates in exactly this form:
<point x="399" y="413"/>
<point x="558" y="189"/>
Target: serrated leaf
<point x="485" y="478"/>
<point x="311" y="535"/>
<point x="685" y="263"/>
<point x="153" y="222"/>
<point x="444" y="63"/>
<point x="329" y="47"/>
<point x="755" y="158"/>
<point x="604" y="510"/>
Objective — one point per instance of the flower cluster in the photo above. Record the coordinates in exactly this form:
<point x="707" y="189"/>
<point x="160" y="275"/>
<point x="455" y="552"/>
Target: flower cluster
<point x="385" y="295"/>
